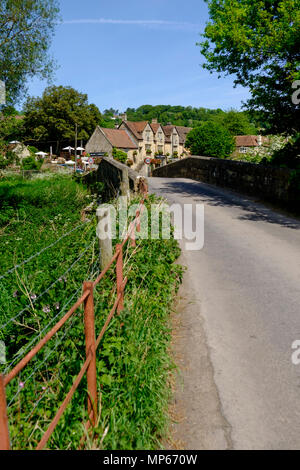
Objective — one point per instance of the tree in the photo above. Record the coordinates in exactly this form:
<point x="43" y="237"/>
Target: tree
<point x="258" y="41"/>
<point x="26" y="29"/>
<point x="11" y="128"/>
<point x="52" y="118"/>
<point x="236" y="123"/>
<point x="211" y="140"/>
<point x="289" y="155"/>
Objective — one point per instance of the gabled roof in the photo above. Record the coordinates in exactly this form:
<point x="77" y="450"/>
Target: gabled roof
<point x="154" y="126"/>
<point x="168" y="131"/>
<point x="249" y="141"/>
<point x="137" y="128"/>
<point x="118" y="138"/>
<point x="183" y="132"/>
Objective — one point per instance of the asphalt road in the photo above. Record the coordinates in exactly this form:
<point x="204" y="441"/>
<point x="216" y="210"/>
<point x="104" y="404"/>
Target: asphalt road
<point x="241" y="316"/>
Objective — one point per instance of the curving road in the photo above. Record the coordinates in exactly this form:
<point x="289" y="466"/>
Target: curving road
<point x="240" y="316"/>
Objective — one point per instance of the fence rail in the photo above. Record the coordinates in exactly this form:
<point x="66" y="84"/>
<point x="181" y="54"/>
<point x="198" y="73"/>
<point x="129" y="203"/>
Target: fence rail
<point x="91" y="343"/>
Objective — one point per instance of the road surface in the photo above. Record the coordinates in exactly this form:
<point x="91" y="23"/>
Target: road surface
<point x="241" y="314"/>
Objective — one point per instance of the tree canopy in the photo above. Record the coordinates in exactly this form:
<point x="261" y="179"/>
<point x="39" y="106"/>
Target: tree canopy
<point x="177" y="115"/>
<point x="210" y="140"/>
<point x="53" y="117"/>
<point x="259" y="42"/>
<point x="239" y="123"/>
<point x="26" y="29"/>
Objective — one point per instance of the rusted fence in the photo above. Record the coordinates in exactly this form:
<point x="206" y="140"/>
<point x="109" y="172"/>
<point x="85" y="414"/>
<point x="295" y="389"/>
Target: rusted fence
<point x="91" y="343"/>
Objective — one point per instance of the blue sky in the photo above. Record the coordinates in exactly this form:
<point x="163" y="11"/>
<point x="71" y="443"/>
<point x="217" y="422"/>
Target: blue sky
<point x="128" y="53"/>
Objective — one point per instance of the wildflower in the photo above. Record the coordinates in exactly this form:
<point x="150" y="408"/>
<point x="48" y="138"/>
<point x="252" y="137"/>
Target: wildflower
<point x="15" y="294"/>
<point x="56" y="306"/>
<point x="21" y="384"/>
<point x="33" y="296"/>
<point x="43" y="388"/>
<point x="46" y="309"/>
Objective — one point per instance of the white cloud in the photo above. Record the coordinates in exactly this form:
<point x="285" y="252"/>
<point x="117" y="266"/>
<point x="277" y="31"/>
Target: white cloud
<point x="179" y="24"/>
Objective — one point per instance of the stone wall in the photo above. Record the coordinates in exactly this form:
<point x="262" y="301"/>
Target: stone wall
<point x="268" y="183"/>
<point x="116" y="178"/>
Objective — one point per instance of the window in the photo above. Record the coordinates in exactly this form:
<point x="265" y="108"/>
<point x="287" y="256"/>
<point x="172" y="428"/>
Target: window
<point x="243" y="150"/>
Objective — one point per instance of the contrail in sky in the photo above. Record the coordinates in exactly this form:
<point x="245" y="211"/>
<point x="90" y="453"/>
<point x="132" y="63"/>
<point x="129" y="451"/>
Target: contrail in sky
<point x="133" y="22"/>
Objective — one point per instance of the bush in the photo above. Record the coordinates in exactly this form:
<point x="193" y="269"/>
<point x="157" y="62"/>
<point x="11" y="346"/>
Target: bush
<point x="211" y="140"/>
<point x="29" y="163"/>
<point x="33" y="150"/>
<point x="289" y="155"/>
<point x="119" y="155"/>
<point x="3" y="162"/>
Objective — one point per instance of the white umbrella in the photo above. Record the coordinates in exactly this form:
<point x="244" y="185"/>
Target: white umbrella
<point x="42" y="154"/>
<point x="70" y="162"/>
<point x="80" y="148"/>
<point x="14" y="142"/>
<point x="68" y="148"/>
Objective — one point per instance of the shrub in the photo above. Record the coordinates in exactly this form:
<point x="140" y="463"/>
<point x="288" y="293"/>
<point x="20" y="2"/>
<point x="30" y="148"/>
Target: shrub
<point x="211" y="140"/>
<point x="3" y="162"/>
<point x="29" y="163"/>
<point x="289" y="155"/>
<point x="119" y="155"/>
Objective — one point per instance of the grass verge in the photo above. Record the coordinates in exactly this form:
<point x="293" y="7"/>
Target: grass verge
<point x="133" y="360"/>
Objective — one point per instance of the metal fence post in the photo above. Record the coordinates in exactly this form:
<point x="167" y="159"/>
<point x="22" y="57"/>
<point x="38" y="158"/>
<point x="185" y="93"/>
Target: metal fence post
<point x="132" y="236"/>
<point x="119" y="270"/>
<point x="90" y="347"/>
<point x="138" y="225"/>
<point x="4" y="432"/>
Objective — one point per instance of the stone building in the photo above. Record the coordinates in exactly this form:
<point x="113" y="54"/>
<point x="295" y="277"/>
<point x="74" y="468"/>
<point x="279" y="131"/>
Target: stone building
<point x="140" y="140"/>
<point x="104" y="140"/>
<point x="246" y="143"/>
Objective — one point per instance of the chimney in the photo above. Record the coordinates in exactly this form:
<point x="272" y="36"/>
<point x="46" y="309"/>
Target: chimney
<point x="124" y="117"/>
<point x="259" y="140"/>
<point x="154" y="121"/>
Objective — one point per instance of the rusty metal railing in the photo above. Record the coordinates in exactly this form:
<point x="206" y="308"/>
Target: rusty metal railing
<point x="91" y="343"/>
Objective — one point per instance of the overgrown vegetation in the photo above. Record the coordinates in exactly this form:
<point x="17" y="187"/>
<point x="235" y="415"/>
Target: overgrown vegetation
<point x="119" y="155"/>
<point x="210" y="139"/>
<point x="133" y="360"/>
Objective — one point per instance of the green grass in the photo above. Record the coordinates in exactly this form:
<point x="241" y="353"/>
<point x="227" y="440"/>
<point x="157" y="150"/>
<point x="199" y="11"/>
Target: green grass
<point x="133" y="360"/>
